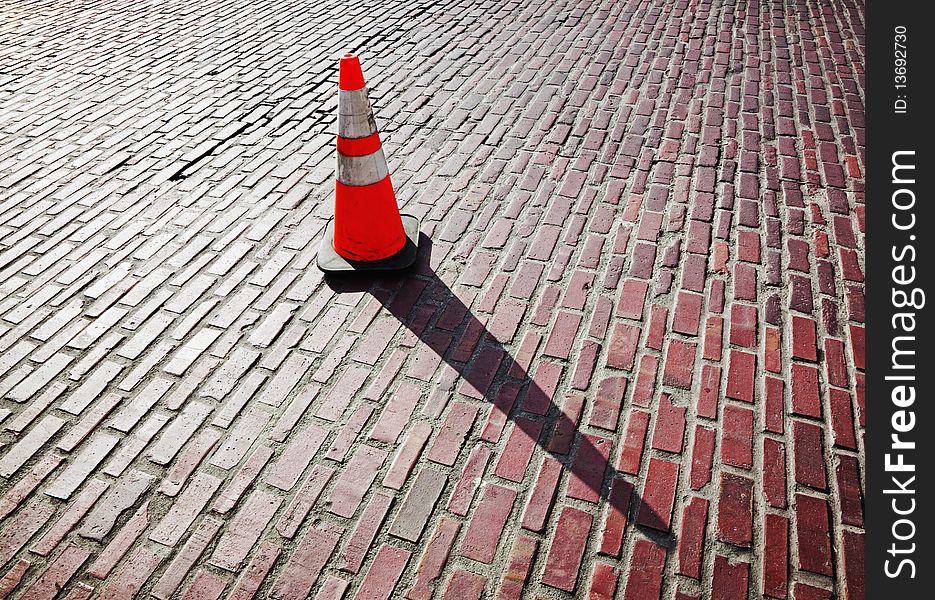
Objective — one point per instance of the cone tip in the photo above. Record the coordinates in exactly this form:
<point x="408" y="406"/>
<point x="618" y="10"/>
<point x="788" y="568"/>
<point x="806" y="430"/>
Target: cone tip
<point x="350" y="75"/>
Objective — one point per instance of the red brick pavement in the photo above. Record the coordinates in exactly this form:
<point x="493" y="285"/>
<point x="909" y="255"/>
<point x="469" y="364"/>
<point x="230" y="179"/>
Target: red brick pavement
<point x="629" y="364"/>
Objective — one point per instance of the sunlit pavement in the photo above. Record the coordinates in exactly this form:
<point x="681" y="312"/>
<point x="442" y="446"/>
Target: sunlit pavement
<point x="628" y="365"/>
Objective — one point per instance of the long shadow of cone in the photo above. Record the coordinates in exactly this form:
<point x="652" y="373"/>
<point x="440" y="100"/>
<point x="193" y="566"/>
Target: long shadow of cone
<point x="425" y="305"/>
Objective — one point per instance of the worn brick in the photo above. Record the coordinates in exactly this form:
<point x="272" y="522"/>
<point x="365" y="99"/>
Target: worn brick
<point x="737" y="436"/>
<point x="735" y="510"/>
<point x="185" y="560"/>
<point x="244" y="529"/>
<point x="813" y="534"/>
<point x="740" y="375"/>
<point x="680" y="363"/>
<point x="21" y="527"/>
<point x="450" y="438"/>
<point x="358" y="544"/>
<point x="185" y="509"/>
<point x="692" y="534"/>
<point x="670" y="426"/>
<point x="644" y="578"/>
<point x="518" y="450"/>
<point x="384" y="573"/>
<point x="131" y="578"/>
<point x="121" y="543"/>
<point x="418" y="504"/>
<point x="518" y="569"/>
<point x="27" y="446"/>
<point x="805" y="395"/>
<point x="615" y="520"/>
<point x="82" y="466"/>
<point x="483" y="533"/>
<point x="295" y="457"/>
<point x="407" y="455"/>
<point x="588" y="467"/>
<point x="396" y="414"/>
<point x="702" y="457"/>
<point x="303" y="568"/>
<point x="776" y="556"/>
<point x="730" y="581"/>
<point x="564" y="559"/>
<point x="464" y="584"/>
<point x="809" y="454"/>
<point x="434" y="559"/>
<point x="623" y="344"/>
<point x="658" y="494"/>
<point x="463" y="492"/>
<point x="242" y="479"/>
<point x="687" y="313"/>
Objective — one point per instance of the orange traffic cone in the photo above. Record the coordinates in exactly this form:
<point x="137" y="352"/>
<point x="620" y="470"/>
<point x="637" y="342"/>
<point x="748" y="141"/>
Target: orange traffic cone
<point x="367" y="231"/>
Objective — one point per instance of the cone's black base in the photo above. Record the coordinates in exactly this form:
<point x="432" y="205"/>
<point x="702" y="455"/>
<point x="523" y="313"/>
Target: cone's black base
<point x="330" y="261"/>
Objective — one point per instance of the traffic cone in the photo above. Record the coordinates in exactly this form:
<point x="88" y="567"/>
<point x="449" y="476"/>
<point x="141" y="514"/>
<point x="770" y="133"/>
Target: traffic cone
<point x="367" y="231"/>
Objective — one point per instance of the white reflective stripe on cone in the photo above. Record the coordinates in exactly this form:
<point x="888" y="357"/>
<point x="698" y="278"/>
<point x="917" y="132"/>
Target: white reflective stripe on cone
<point x="353" y="102"/>
<point x="356" y="126"/>
<point x="355" y="119"/>
<point x="362" y="170"/>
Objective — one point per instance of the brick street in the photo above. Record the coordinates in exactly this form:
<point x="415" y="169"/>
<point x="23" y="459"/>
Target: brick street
<point x="628" y="364"/>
